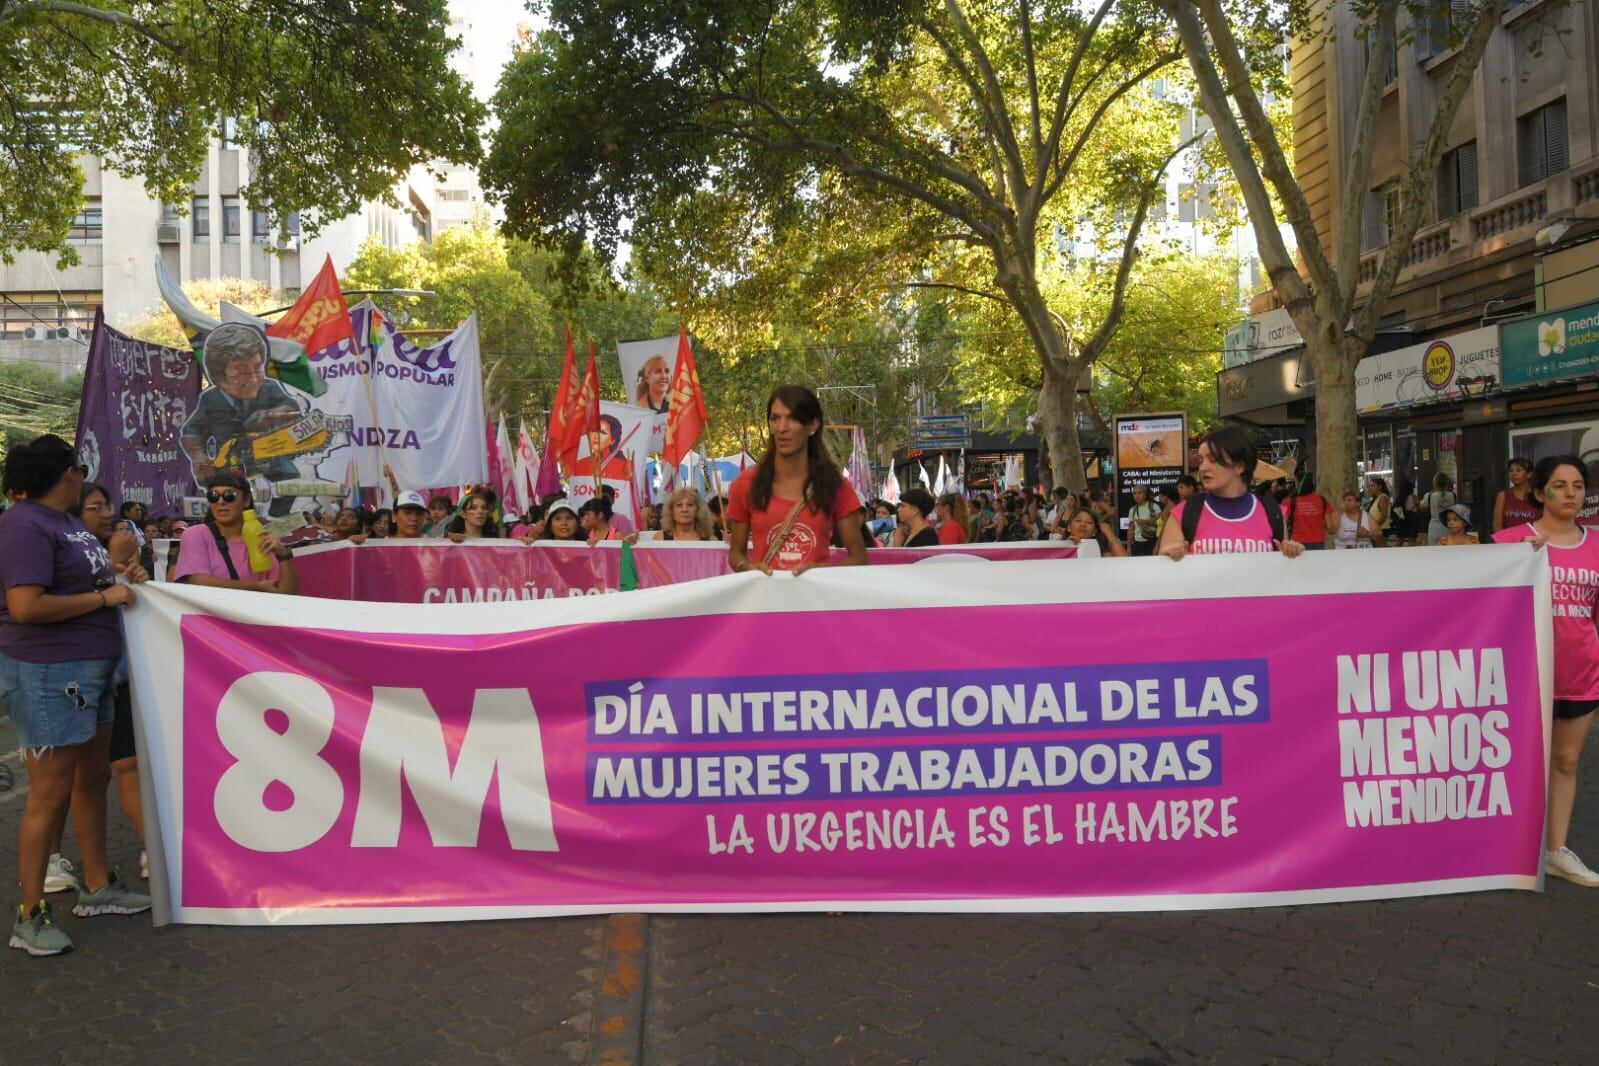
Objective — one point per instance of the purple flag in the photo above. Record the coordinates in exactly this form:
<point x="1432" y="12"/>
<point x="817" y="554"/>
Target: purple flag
<point x="548" y="481"/>
<point x="136" y="397"/>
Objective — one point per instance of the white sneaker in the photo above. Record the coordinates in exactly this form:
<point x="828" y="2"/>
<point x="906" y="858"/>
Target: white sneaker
<point x="60" y="875"/>
<point x="1564" y="863"/>
<point x="144" y="865"/>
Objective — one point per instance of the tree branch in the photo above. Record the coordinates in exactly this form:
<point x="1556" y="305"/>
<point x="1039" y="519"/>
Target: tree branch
<point x="115" y="18"/>
<point x="949" y="285"/>
<point x="1347" y="259"/>
<point x="1065" y="168"/>
<point x="1064" y="105"/>
<point x="1036" y="120"/>
<point x="1413" y="196"/>
<point x="1286" y="280"/>
<point x="1273" y="161"/>
<point x="999" y="114"/>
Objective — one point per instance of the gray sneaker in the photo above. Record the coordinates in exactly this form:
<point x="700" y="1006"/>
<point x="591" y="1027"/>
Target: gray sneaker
<point x="37" y="933"/>
<point x="1563" y="862"/>
<point x="114" y="898"/>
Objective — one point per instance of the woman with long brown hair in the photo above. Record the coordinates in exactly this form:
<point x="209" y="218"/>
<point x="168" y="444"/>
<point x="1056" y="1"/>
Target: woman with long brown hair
<point x="789" y="503"/>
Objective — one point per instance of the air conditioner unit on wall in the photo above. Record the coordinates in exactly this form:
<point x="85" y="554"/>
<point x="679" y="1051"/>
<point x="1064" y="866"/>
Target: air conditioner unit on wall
<point x="37" y="333"/>
<point x="167" y="233"/>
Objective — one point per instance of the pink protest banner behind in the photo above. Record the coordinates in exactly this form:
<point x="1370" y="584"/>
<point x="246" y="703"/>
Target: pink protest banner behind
<point x="1119" y="734"/>
<point x="433" y="571"/>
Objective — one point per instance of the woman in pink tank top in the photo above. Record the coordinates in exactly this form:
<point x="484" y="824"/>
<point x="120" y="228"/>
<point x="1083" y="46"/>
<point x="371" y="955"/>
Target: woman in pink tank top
<point x="1559" y="482"/>
<point x="1233" y="518"/>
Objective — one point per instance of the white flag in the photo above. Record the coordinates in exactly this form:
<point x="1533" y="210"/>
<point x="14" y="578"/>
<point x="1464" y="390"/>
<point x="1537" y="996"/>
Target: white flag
<point x="891" y="488"/>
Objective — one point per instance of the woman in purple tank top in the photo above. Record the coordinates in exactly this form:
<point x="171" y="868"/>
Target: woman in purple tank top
<point x="1517" y="505"/>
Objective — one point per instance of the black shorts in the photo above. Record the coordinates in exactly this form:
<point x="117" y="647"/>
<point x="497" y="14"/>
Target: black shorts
<point x="122" y="744"/>
<point x="1566" y="710"/>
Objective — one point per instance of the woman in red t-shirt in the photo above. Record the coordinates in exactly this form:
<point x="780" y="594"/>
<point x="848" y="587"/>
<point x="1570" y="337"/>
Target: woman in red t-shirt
<point x="953" y="518"/>
<point x="763" y="504"/>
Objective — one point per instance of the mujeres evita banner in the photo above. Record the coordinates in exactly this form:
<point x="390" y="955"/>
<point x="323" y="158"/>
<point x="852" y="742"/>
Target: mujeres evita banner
<point x="1137" y="734"/>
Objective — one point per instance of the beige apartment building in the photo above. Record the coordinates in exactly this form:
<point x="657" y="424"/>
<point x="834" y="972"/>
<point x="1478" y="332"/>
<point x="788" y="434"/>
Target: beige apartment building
<point x="1455" y="383"/>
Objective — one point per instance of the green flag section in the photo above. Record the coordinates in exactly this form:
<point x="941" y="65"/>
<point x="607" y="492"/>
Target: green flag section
<point x="629" y="580"/>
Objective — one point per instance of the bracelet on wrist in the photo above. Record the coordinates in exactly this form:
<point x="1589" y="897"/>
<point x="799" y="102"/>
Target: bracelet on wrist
<point x="101" y="594"/>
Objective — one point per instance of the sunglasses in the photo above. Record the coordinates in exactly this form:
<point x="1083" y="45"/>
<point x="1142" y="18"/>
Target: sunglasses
<point x="222" y="496"/>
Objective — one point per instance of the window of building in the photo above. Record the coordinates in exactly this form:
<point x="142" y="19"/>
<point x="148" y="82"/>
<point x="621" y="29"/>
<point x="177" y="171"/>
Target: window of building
<point x="1380" y="214"/>
<point x="230" y="218"/>
<point x="1447" y="21"/>
<point x="1391" y="73"/>
<point x="46" y="315"/>
<point x="88" y="227"/>
<point x="291" y="224"/>
<point x="1457" y="180"/>
<point x="455" y="195"/>
<point x="201" y="213"/>
<point x="260" y="225"/>
<point x="1541" y="146"/>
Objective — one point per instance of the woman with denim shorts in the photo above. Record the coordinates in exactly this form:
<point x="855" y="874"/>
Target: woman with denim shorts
<point x="59" y="646"/>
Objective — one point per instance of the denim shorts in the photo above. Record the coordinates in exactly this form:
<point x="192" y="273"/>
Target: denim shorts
<point x="57" y="704"/>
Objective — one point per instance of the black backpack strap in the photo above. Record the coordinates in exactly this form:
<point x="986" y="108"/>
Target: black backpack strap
<point x="222" y="548"/>
<point x="1274" y="515"/>
<point x="1191" y="508"/>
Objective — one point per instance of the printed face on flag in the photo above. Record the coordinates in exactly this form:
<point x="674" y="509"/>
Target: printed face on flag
<point x="647" y="368"/>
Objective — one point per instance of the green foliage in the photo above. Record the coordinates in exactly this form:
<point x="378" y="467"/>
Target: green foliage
<point x="160" y="326"/>
<point x="33" y="401"/>
<point x="335" y="100"/>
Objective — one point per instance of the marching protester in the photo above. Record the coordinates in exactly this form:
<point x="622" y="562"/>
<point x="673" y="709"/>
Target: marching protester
<point x="1228" y="517"/>
<point x="790" y="501"/>
<point x="60" y="642"/>
<point x="1457" y="521"/>
<point x="94" y="510"/>
<point x="953" y="519"/>
<point x="476" y="520"/>
<point x="561" y="523"/>
<point x="913" y="531"/>
<point x="1141" y="522"/>
<point x="1559" y="483"/>
<point x="1353" y="526"/>
<point x="381" y="524"/>
<point x="347" y="526"/>
<point x="530" y="526"/>
<point x="410" y="514"/>
<point x="440" y="511"/>
<point x="1310" y="517"/>
<point x="1094" y="538"/>
<point x="1516" y="505"/>
<point x="215" y="553"/>
<point x="685" y="517"/>
<point x="595" y="516"/>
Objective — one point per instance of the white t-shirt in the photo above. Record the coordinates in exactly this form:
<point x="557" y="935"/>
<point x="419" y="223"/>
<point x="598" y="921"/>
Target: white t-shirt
<point x="1347" y="537"/>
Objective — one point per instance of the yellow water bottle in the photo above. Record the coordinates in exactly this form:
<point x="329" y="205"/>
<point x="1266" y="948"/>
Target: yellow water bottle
<point x="260" y="561"/>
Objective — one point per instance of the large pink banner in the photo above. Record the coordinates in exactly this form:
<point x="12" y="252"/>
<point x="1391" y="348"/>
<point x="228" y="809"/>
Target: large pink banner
<point x="431" y="571"/>
<point x="1115" y="735"/>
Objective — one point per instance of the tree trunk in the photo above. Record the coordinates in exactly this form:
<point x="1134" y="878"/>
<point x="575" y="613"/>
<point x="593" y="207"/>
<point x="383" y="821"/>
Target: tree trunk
<point x="1335" y="413"/>
<point x="1057" y="423"/>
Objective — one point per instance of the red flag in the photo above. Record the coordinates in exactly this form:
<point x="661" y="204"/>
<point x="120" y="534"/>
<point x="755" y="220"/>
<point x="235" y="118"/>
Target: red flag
<point x="319" y="319"/>
<point x="685" y="415"/>
<point x="585" y="409"/>
<point x="561" y="417"/>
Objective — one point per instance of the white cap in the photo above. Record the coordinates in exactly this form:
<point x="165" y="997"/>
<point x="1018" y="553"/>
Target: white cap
<point x="411" y="499"/>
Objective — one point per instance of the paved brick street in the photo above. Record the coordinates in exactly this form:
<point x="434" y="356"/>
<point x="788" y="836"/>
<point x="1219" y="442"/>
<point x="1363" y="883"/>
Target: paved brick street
<point x="1495" y="977"/>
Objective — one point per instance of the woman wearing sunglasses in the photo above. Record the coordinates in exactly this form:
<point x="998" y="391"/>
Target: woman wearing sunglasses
<point x="214" y="553"/>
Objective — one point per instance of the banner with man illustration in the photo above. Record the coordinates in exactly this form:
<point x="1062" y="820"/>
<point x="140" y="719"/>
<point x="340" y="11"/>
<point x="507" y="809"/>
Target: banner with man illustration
<point x="882" y="738"/>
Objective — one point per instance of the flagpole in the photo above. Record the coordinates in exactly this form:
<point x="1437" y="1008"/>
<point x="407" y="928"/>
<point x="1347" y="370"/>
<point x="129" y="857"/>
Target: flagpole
<point x="372" y="408"/>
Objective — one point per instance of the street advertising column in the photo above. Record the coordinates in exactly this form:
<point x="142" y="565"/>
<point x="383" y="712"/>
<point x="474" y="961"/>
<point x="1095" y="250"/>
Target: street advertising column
<point x="1151" y="453"/>
<point x="1118" y="734"/>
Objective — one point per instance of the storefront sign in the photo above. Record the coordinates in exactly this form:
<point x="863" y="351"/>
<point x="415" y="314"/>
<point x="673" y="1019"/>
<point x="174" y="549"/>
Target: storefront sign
<point x="1263" y="384"/>
<point x="1260" y="337"/>
<point x="1553" y="346"/>
<point x="1426" y="373"/>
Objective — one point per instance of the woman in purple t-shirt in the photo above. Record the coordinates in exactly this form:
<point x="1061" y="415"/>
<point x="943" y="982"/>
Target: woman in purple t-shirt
<point x="59" y="645"/>
<point x="214" y="552"/>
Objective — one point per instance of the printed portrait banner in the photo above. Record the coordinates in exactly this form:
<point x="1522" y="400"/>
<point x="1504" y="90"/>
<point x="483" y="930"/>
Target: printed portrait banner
<point x="1136" y="734"/>
<point x="647" y="368"/>
<point x="136" y="398"/>
<point x="433" y="571"/>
